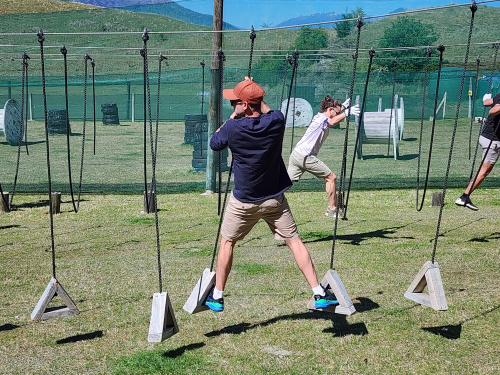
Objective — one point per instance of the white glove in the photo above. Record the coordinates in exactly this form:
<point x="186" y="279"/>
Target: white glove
<point x="347" y="103"/>
<point x="486" y="97"/>
<point x="354" y="111"/>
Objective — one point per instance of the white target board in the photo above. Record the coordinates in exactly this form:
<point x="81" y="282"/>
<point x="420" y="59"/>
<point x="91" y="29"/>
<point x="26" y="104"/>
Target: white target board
<point x="10" y="122"/>
<point x="300" y="112"/>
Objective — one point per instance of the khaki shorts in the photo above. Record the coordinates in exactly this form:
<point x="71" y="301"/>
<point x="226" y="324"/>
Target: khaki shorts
<point x="298" y="164"/>
<point x="493" y="152"/>
<point x="240" y="218"/>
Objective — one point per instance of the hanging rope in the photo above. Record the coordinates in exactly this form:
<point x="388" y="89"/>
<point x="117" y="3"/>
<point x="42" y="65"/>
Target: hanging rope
<point x="288" y="60"/>
<point x="154" y="149"/>
<point x="361" y="126"/>
<point x="222" y="58"/>
<point x="252" y="36"/>
<point x="41" y="39"/>
<point x="473" y="95"/>
<point x="495" y="46"/>
<point x="296" y="58"/>
<point x="147" y="112"/>
<point x="473" y="9"/>
<point x="24" y="123"/>
<point x="92" y="63"/>
<point x="64" y="52"/>
<point x="202" y="63"/>
<point x="359" y="24"/>
<point x="395" y="64"/>
<point x="438" y="80"/>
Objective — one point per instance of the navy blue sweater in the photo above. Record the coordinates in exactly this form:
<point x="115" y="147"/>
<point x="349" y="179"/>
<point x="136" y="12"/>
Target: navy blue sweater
<point x="255" y="144"/>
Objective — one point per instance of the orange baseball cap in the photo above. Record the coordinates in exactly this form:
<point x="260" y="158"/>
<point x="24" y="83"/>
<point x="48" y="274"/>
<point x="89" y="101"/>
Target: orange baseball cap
<point x="247" y="91"/>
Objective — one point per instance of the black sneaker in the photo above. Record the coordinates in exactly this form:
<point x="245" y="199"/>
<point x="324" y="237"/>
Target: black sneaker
<point x="461" y="201"/>
<point x="329" y="299"/>
<point x="214" y="304"/>
<point x="471" y="205"/>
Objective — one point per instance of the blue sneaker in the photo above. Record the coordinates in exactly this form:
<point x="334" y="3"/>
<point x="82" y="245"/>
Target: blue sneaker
<point x="214" y="304"/>
<point x="329" y="299"/>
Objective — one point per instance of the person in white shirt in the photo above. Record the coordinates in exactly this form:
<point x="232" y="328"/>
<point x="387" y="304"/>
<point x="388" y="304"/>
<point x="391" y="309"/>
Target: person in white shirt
<point x="304" y="156"/>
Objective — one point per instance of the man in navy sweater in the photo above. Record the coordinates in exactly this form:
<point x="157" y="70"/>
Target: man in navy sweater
<point x="490" y="142"/>
<point x="254" y="134"/>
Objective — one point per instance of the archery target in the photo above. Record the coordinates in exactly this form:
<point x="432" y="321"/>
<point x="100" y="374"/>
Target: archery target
<point x="300" y="112"/>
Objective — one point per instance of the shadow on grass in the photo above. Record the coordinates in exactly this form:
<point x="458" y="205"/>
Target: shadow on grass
<point x="180" y="351"/>
<point x="340" y="326"/>
<point x="84" y="337"/>
<point x="9" y="226"/>
<point x="8" y="327"/>
<point x="492" y="236"/>
<point x="442" y="234"/>
<point x="453" y="331"/>
<point x="353" y="239"/>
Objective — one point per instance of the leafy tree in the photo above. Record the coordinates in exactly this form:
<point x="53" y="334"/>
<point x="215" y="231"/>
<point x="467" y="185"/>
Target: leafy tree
<point x="311" y="39"/>
<point x="346" y="27"/>
<point x="406" y="32"/>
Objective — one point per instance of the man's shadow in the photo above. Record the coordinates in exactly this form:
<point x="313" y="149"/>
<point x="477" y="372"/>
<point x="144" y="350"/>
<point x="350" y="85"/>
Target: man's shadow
<point x="340" y="326"/>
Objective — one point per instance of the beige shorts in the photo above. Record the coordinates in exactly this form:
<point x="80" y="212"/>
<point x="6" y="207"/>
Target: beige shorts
<point x="240" y="218"/>
<point x="298" y="164"/>
<point x="493" y="152"/>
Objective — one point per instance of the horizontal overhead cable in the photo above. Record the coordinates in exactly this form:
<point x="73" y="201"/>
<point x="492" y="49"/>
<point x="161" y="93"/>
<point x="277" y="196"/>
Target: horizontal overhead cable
<point x="420" y="10"/>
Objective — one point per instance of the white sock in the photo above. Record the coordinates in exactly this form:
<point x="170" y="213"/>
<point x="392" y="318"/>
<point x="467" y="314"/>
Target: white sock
<point x="317" y="290"/>
<point x="217" y="293"/>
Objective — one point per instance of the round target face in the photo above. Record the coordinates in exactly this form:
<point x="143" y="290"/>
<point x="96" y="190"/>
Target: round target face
<point x="300" y="112"/>
<point x="12" y="122"/>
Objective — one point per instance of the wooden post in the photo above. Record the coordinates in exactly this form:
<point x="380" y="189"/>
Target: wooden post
<point x="30" y="105"/>
<point x="151" y="198"/>
<point x="133" y="105"/>
<point x="4" y="203"/>
<point x="437" y="199"/>
<point x="214" y="108"/>
<point x="56" y="202"/>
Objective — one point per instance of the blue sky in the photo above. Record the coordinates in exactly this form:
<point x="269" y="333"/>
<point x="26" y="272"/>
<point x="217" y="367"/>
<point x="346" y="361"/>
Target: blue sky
<point x="247" y="13"/>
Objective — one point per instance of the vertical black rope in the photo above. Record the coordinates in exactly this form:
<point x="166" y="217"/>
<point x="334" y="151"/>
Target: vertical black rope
<point x="395" y="63"/>
<point x="473" y="95"/>
<point x="64" y="52"/>
<point x="496" y="45"/>
<point x="202" y="63"/>
<point x="221" y="218"/>
<point x="26" y="58"/>
<point x="359" y="24"/>
<point x="431" y="143"/>
<point x="22" y="130"/>
<point x="154" y="149"/>
<point x="144" y="54"/>
<point x="295" y="67"/>
<point x="252" y="36"/>
<point x="288" y="60"/>
<point x="92" y="63"/>
<point x="41" y="39"/>
<point x="360" y="130"/>
<point x="473" y="9"/>
<point x="222" y="58"/>
<point x="292" y="80"/>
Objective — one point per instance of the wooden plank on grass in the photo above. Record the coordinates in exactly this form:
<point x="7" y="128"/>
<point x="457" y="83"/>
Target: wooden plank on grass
<point x="195" y="301"/>
<point x="429" y="276"/>
<point x="332" y="281"/>
<point x="163" y="323"/>
<point x="42" y="312"/>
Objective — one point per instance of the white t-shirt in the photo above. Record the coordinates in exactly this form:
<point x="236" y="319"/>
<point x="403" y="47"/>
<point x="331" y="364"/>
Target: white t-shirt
<point x="314" y="137"/>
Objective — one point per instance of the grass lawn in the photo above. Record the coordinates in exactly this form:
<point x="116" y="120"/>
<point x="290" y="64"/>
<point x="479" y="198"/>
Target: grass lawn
<point x="106" y="260"/>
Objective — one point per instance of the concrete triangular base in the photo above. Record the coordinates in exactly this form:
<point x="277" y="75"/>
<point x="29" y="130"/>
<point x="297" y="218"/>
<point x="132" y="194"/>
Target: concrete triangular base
<point x="42" y="312"/>
<point x="428" y="276"/>
<point x="163" y="323"/>
<point x="195" y="301"/>
<point x="332" y="281"/>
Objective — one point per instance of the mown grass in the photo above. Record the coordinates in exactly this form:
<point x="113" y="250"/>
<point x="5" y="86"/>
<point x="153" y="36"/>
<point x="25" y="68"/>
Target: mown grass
<point x="106" y="260"/>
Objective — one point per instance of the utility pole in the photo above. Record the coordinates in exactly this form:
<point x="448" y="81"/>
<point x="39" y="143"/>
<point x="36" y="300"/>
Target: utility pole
<point x="214" y="107"/>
